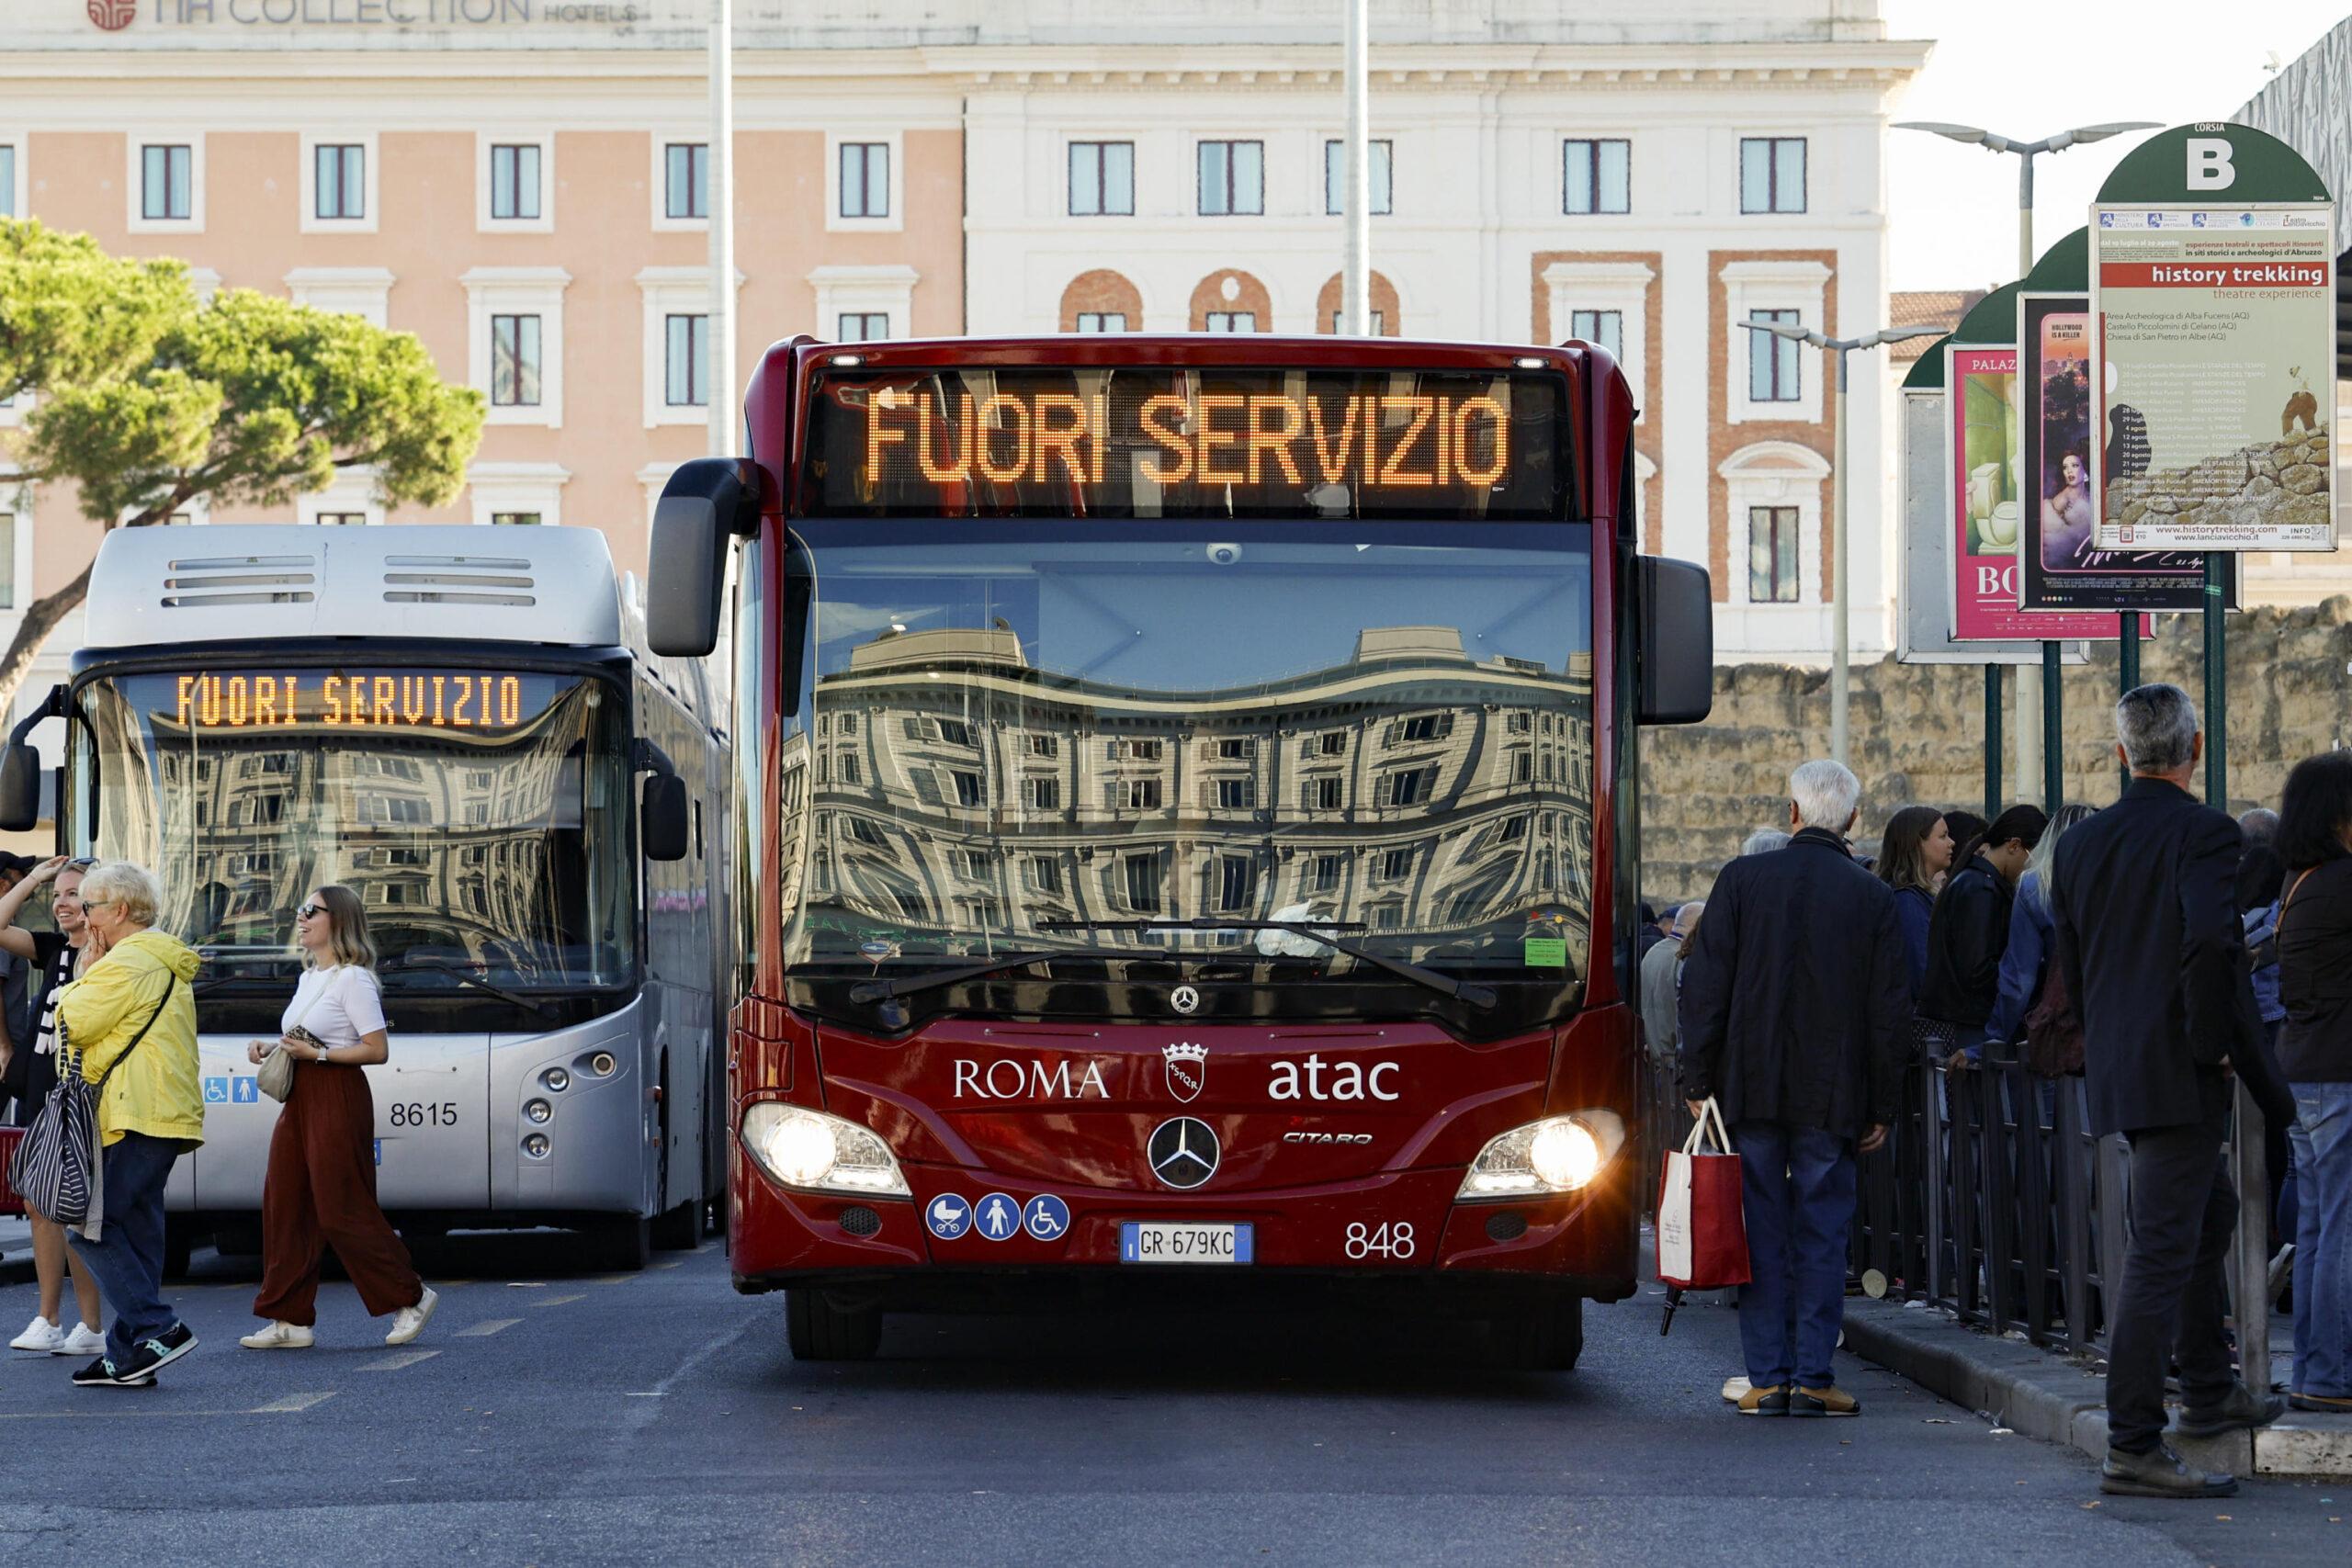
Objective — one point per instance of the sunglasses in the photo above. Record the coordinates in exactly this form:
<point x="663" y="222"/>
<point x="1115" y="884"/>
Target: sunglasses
<point x="306" y="910"/>
<point x="80" y="862"/>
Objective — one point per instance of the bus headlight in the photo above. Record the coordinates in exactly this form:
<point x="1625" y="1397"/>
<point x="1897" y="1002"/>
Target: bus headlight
<point x="1559" y="1154"/>
<point x="809" y="1149"/>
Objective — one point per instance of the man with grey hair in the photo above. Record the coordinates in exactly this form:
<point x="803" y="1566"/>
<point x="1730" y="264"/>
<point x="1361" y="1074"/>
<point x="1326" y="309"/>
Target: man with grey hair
<point x="2150" y="947"/>
<point x="1660" y="965"/>
<point x="1796" y="1001"/>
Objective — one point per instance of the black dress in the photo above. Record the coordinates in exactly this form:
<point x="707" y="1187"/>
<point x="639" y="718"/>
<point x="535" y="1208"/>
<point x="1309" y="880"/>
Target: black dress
<point x="32" y="1072"/>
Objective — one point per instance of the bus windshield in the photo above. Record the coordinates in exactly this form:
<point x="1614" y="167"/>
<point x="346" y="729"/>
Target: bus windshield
<point x="480" y="815"/>
<point x="1042" y="733"/>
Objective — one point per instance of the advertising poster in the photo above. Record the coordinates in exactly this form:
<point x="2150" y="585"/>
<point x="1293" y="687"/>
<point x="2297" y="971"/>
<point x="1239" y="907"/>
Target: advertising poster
<point x="1984" y="484"/>
<point x="2216" y="367"/>
<point x="2062" y="567"/>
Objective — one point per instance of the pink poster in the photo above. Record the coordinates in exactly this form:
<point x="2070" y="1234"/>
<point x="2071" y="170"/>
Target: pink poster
<point x="1980" y="388"/>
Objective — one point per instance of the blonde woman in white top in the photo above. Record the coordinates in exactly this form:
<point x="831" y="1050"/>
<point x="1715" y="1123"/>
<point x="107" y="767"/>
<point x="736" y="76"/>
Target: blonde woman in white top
<point x="320" y="1190"/>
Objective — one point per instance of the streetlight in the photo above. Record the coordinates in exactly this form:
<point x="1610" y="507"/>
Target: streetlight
<point x="2030" y="680"/>
<point x="1355" y="265"/>
<point x="1841" y="633"/>
<point x="719" y="202"/>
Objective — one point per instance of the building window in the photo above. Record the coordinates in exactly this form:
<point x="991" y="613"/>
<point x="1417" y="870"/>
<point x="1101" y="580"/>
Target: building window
<point x="951" y="731"/>
<point x="1596" y="177"/>
<point x="847" y="725"/>
<point x="1420" y="726"/>
<point x="1041" y="794"/>
<point x="342" y="519"/>
<point x="1332" y="742"/>
<point x="1236" y="882"/>
<point x="1522" y="766"/>
<point x="1237" y="794"/>
<point x="8" y="560"/>
<point x="1101" y="321"/>
<point x="1042" y="874"/>
<point x="1325" y="793"/>
<point x="515" y="519"/>
<point x="1230" y="322"/>
<point x="849" y="768"/>
<point x="515" y="182"/>
<point x="1606" y="328"/>
<point x="1234" y="748"/>
<point x="865" y="179"/>
<point x="687" y="372"/>
<point x="1137" y="750"/>
<point x="1335" y="177"/>
<point x="1772" y="555"/>
<point x="339" y="184"/>
<point x="1775" y="374"/>
<point x="1379" y="322"/>
<point x="1412" y="786"/>
<point x="1324" y="876"/>
<point x="9" y="182"/>
<point x="685" y="182"/>
<point x="967" y="788"/>
<point x="1395" y="865"/>
<point x="1102" y="179"/>
<point x="861" y="326"/>
<point x="1232" y="180"/>
<point x="1143" y="884"/>
<point x="167" y="183"/>
<point x="1143" y="794"/>
<point x="1771" y="173"/>
<point x="1044" y="746"/>
<point x="514" y="361"/>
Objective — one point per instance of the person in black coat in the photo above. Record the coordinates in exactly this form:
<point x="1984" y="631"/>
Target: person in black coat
<point x="2147" y="929"/>
<point x="1796" y="1002"/>
<point x="1970" y="928"/>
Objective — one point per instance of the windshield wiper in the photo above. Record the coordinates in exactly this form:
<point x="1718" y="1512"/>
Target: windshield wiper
<point x="455" y="973"/>
<point x="1474" y="995"/>
<point x="888" y="991"/>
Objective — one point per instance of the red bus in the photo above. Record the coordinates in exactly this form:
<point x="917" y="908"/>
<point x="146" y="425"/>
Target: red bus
<point x="1186" y="819"/>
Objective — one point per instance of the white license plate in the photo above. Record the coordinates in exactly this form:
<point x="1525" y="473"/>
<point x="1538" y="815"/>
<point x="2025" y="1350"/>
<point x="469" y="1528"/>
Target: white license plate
<point x="1151" y="1241"/>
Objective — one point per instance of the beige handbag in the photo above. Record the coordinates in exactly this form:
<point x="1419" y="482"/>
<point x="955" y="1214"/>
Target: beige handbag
<point x="276" y="1076"/>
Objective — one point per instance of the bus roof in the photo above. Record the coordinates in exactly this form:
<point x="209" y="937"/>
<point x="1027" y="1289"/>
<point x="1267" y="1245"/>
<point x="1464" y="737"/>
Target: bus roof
<point x="1194" y="349"/>
<point x="166" y="587"/>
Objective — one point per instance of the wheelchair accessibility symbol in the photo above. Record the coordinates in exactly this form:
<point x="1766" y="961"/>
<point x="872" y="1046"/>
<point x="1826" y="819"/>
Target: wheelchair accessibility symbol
<point x="216" y="1091"/>
<point x="1046" y="1217"/>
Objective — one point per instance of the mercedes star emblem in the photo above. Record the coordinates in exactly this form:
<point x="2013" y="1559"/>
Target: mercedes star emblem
<point x="1184" y="999"/>
<point x="1183" y="1153"/>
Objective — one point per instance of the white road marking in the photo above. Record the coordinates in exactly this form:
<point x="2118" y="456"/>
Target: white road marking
<point x="557" y="1300"/>
<point x="613" y="1279"/>
<point x="484" y="1329"/>
<point x="396" y="1360"/>
<point x="293" y="1403"/>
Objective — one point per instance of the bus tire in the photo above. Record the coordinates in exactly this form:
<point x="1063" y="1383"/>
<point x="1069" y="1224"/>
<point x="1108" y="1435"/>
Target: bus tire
<point x="1546" y="1336"/>
<point x="822" y="1327"/>
<point x="678" y="1229"/>
<point x="623" y="1242"/>
<point x="179" y="1245"/>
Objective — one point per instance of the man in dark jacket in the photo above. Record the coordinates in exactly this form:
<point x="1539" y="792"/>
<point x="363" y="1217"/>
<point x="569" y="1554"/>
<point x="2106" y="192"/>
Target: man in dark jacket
<point x="2146" y="927"/>
<point x="1796" y="999"/>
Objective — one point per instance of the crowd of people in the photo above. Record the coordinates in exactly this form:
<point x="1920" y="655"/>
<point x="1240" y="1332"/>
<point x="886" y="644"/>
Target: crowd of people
<point x="103" y="994"/>
<point x="2156" y="948"/>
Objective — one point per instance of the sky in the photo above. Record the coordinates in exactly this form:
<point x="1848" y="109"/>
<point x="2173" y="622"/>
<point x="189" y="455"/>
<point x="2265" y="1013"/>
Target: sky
<point x="2028" y="68"/>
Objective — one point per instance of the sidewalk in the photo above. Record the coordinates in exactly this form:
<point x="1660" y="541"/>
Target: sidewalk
<point x="2058" y="1399"/>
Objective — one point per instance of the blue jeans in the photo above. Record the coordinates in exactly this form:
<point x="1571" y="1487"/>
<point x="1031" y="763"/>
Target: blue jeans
<point x="128" y="1257"/>
<point x="2321" y="1137"/>
<point x="1797" y="1196"/>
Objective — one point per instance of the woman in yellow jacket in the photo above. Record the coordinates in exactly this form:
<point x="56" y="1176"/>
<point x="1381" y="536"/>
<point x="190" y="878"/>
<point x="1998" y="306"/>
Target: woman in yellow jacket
<point x="131" y="1017"/>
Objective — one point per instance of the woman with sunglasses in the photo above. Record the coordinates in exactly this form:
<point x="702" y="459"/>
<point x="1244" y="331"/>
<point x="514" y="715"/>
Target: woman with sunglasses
<point x="30" y="1072"/>
<point x="320" y="1188"/>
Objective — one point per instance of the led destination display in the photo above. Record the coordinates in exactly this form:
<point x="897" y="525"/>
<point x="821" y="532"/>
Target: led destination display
<point x="1158" y="442"/>
<point x="436" y="699"/>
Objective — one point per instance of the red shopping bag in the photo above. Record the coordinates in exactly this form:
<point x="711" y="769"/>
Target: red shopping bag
<point x="1702" y="1231"/>
<point x="10" y="1203"/>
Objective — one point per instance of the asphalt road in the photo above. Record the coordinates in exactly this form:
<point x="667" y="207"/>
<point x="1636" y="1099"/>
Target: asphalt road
<point x="549" y="1416"/>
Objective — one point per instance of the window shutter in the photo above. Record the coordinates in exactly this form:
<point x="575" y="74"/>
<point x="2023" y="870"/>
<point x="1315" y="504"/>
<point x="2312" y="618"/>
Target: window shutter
<point x="1429" y="783"/>
<point x="913" y="728"/>
<point x="1388" y="736"/>
<point x="926" y="784"/>
<point x="1445" y="724"/>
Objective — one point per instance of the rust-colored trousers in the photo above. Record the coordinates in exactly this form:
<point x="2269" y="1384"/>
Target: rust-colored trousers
<point x="321" y="1192"/>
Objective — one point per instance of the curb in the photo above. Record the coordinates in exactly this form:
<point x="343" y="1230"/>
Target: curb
<point x="2042" y="1394"/>
<point x="17" y="1270"/>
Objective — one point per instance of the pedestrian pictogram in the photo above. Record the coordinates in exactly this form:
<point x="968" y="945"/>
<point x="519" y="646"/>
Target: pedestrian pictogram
<point x="999" y="1217"/>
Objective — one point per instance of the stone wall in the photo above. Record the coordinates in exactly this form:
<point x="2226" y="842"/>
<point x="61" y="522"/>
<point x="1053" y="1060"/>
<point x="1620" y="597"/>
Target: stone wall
<point x="2281" y="482"/>
<point x="1918" y="734"/>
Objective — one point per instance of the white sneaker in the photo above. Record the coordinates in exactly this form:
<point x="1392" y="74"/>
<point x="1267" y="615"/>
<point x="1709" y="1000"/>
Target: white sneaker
<point x="409" y="1322"/>
<point x="39" y="1335"/>
<point x="84" y="1341"/>
<point x="279" y="1336"/>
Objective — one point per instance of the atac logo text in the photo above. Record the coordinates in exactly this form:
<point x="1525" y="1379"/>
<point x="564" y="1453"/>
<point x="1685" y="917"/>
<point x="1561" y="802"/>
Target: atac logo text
<point x="1009" y="1079"/>
<point x="113" y="15"/>
<point x="1186" y="1067"/>
<point x="1316" y="1079"/>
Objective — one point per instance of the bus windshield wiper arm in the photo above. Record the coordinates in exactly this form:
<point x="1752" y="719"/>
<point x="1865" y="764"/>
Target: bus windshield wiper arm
<point x="455" y="973"/>
<point x="932" y="979"/>
<point x="1474" y="995"/>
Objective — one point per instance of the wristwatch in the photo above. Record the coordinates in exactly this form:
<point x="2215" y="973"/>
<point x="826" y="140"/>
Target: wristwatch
<point x="321" y="1058"/>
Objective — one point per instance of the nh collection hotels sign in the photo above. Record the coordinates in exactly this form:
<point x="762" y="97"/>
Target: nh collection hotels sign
<point x="178" y="24"/>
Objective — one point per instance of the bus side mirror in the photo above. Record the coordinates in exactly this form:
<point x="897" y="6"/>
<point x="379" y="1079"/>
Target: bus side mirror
<point x="19" y="787"/>
<point x="661" y="816"/>
<point x="705" y="504"/>
<point x="1675" y="625"/>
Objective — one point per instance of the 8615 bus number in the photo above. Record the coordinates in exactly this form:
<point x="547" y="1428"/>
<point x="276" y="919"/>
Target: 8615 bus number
<point x="424" y="1113"/>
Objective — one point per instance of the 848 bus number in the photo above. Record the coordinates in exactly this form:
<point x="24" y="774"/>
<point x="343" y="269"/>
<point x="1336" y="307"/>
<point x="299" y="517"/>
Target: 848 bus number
<point x="424" y="1113"/>
<point x="1380" y="1241"/>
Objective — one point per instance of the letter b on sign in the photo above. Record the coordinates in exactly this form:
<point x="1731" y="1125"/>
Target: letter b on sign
<point x="2209" y="163"/>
